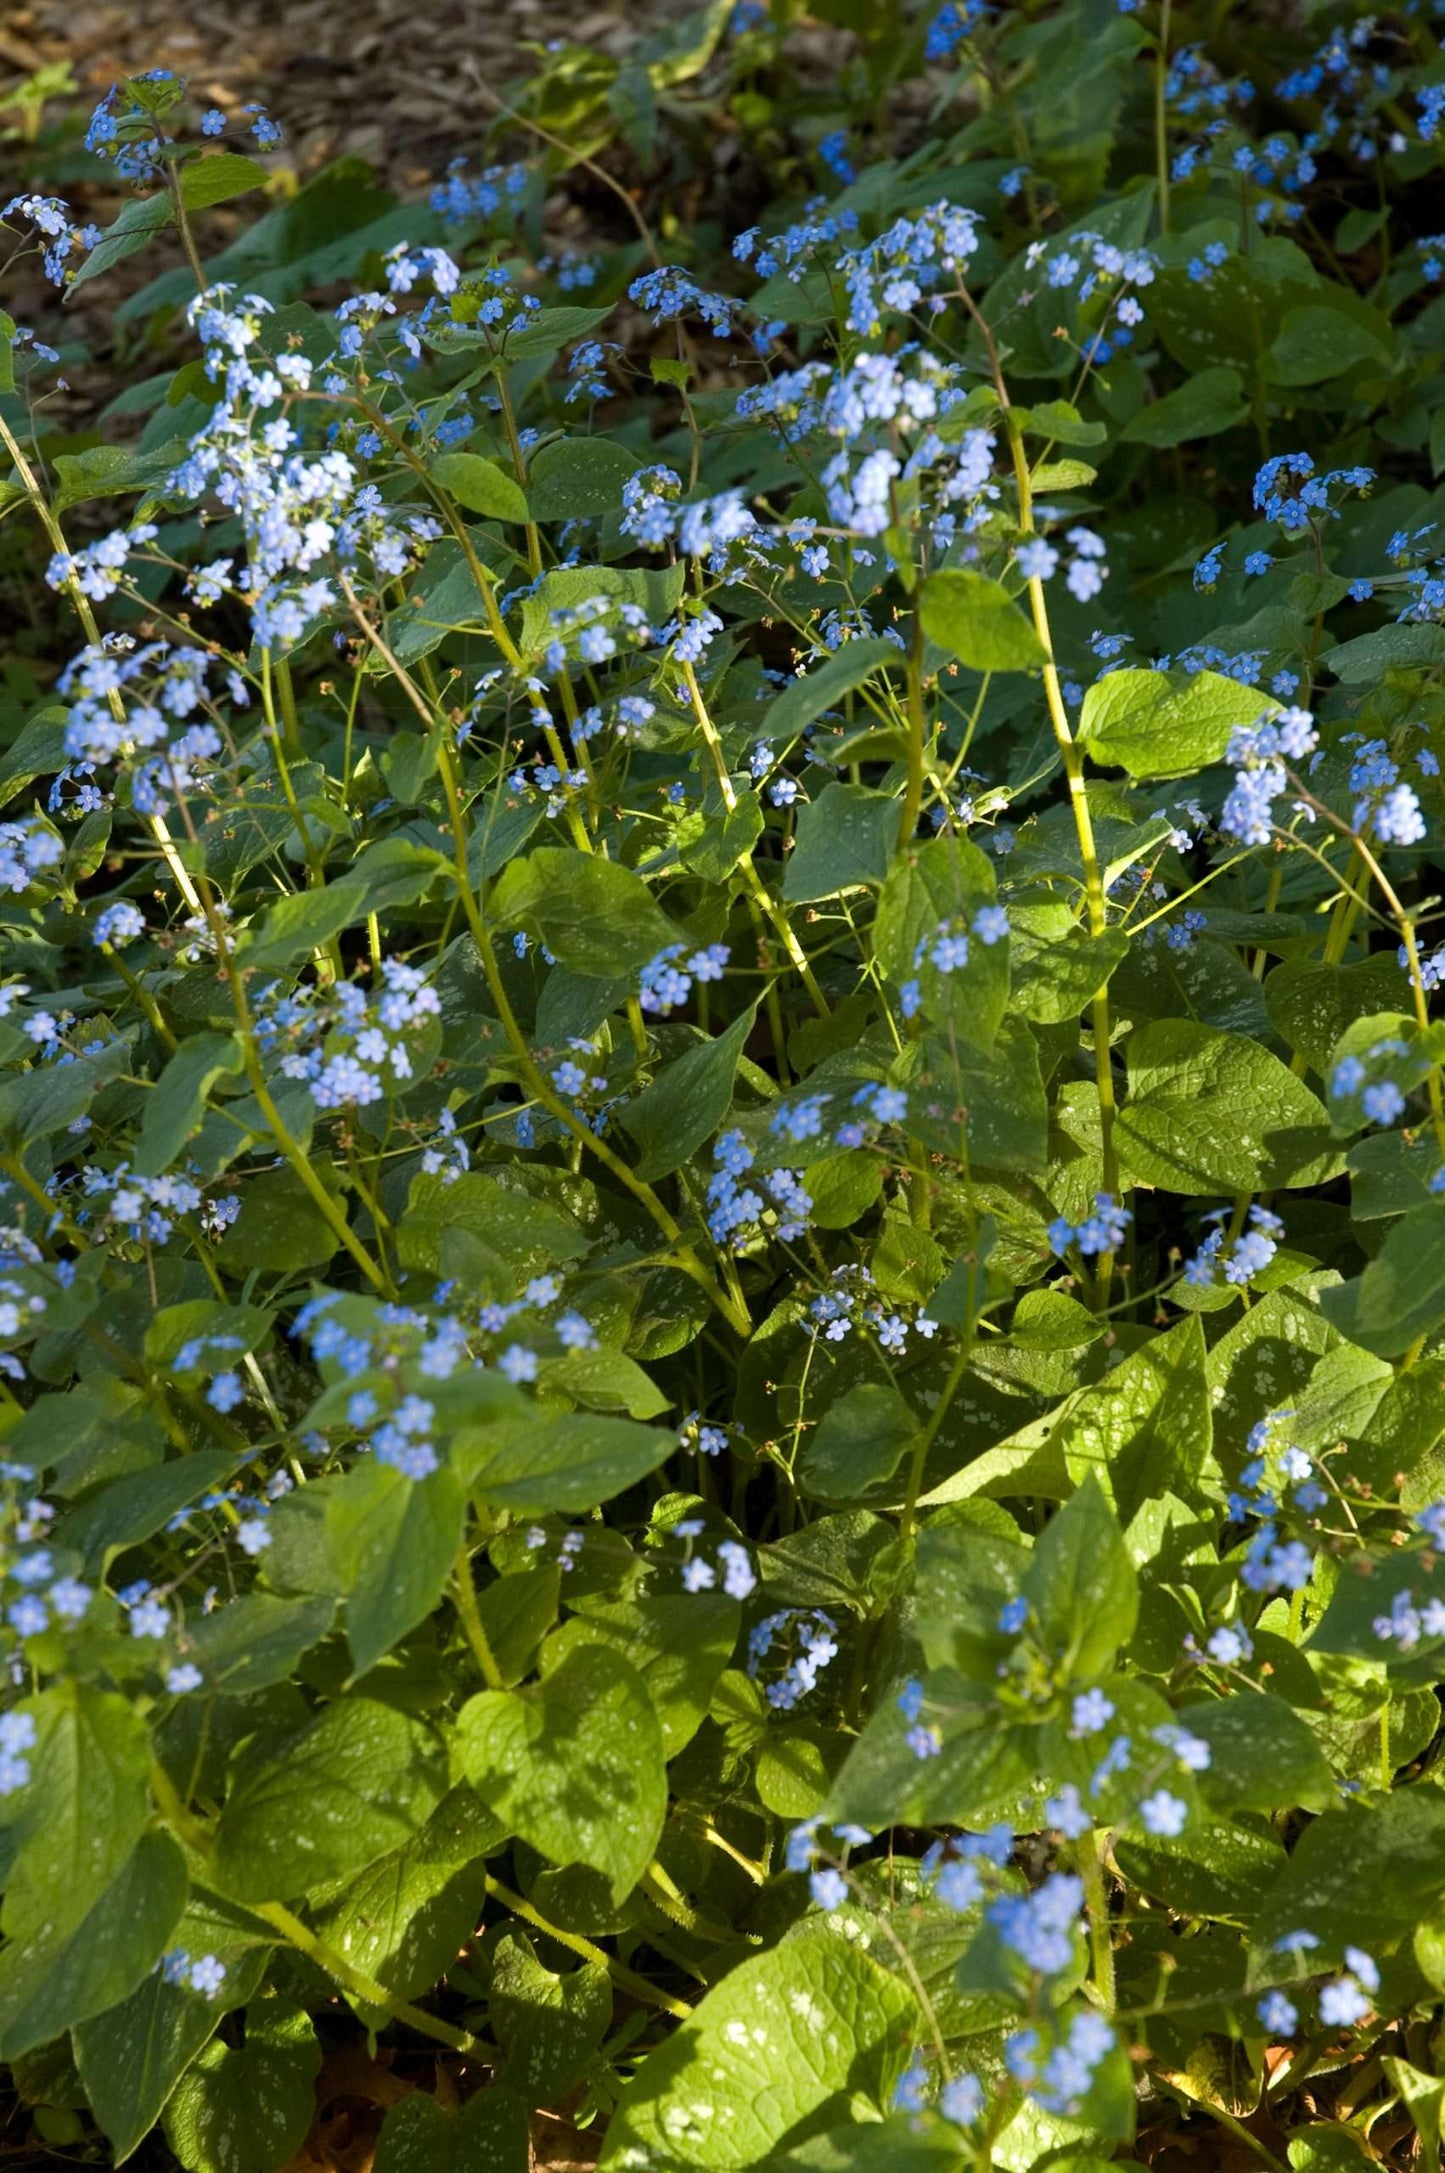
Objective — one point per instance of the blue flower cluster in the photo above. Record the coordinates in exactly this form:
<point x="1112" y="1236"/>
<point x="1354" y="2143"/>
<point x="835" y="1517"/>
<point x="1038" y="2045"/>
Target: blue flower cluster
<point x="807" y="1637"/>
<point x="736" y="1212"/>
<point x="1103" y="1231"/>
<point x="1240" y="1259"/>
<point x="1259" y="753"/>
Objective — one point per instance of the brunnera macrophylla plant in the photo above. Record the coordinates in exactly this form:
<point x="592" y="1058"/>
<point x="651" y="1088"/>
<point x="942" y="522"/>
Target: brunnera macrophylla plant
<point x="722" y="1134"/>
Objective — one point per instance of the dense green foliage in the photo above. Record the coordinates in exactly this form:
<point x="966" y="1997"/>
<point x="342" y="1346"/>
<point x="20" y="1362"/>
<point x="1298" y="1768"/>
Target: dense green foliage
<point x="722" y="1148"/>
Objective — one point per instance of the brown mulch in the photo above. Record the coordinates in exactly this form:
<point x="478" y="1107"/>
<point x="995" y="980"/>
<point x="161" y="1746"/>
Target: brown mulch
<point x="385" y="80"/>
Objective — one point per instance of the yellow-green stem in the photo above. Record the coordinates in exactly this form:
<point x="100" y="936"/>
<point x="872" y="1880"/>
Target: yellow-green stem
<point x="762" y="896"/>
<point x="1161" y="113"/>
<point x="627" y="1980"/>
<point x="466" y="1598"/>
<point x="30" y="484"/>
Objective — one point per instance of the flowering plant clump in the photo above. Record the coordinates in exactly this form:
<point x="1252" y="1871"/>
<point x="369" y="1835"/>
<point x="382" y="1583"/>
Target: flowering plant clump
<point x="722" y="1114"/>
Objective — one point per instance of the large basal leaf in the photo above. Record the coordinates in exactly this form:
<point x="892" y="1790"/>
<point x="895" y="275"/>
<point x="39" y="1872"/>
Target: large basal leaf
<point x="569" y="1463"/>
<point x="488" y="2135"/>
<point x="845" y="840"/>
<point x="679" y="1643"/>
<point x="1362" y="1876"/>
<point x="1210" y="401"/>
<point x="574" y="1764"/>
<point x="132" y="2057"/>
<point x="83" y="1811"/>
<point x="246" y="2108"/>
<point x="593" y="915"/>
<point x="50" y="1980"/>
<point x="403" y="1920"/>
<point x="1401" y="1295"/>
<point x="1147" y="1427"/>
<point x="1146" y="725"/>
<point x="359" y="1780"/>
<point x="1210" y="1112"/>
<point x="393" y="1541"/>
<point x="810" y="2027"/>
<point x="1081" y="1584"/>
<point x="549" y="2025"/>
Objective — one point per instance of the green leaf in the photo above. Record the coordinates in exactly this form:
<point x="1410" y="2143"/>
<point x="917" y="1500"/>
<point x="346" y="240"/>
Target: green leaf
<point x="1210" y="401"/>
<point x="34" y="1104"/>
<point x="111" y="471"/>
<point x="1311" y="1004"/>
<point x="305" y="922"/>
<point x="132" y="2057"/>
<point x="601" y="1380"/>
<point x="711" y="839"/>
<point x="967" y="1573"/>
<point x="1212" y="1869"/>
<point x="176" y="1105"/>
<point x="903" y="2143"/>
<point x="679" y="1644"/>
<point x="1210" y="1112"/>
<point x="50" y="1981"/>
<point x="357" y="1781"/>
<point x="526" y="1234"/>
<point x="686" y="1102"/>
<point x="791" y="2035"/>
<point x="574" y="1765"/>
<point x="795" y="1768"/>
<point x="1401" y="1295"/>
<point x="38" y="752"/>
<point x="280" y="1227"/>
<point x="1264" y="1757"/>
<point x="84" y="1810"/>
<point x="859" y="1443"/>
<point x="139" y="219"/>
<point x="1061" y="421"/>
<point x="136" y="1507"/>
<point x="247" y="2109"/>
<point x="1081" y="1585"/>
<point x="257" y="1640"/>
<point x="988" y="1102"/>
<point x="549" y="2025"/>
<point x="1147" y="1428"/>
<point x="479" y="485"/>
<point x="488" y="2135"/>
<point x="1316" y="343"/>
<point x="654" y="589"/>
<point x="517" y="1612"/>
<point x="393" y="1541"/>
<point x="1055" y="967"/>
<point x="573" y="477"/>
<point x="944" y="883"/>
<point x="977" y="621"/>
<point x="844" y="838"/>
<point x="403" y="1921"/>
<point x="1363" y="1876"/>
<point x="961" y="1297"/>
<point x="805" y="699"/>
<point x="7" y="351"/>
<point x="594" y="915"/>
<point x="570" y="1463"/>
<point x="1366" y="659"/>
<point x="215" y="180"/>
<point x="1366" y="1589"/>
<point x="1141" y="722"/>
<point x="1422" y="2096"/>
